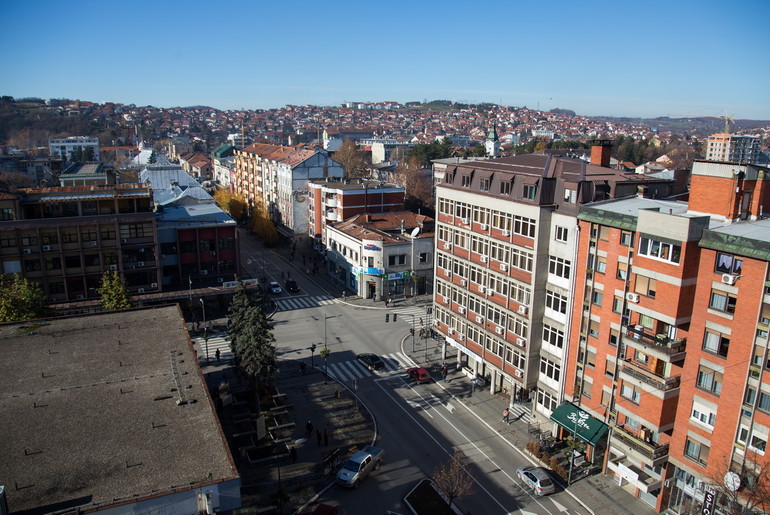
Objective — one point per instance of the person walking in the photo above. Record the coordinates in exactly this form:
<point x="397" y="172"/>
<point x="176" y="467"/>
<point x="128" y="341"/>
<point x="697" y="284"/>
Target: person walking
<point x="506" y="415"/>
<point x="217" y="354"/>
<point x="443" y="372"/>
<point x="309" y="429"/>
<point x="318" y="436"/>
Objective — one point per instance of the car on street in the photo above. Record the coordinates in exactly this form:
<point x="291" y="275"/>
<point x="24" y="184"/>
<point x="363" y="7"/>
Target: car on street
<point x="419" y="374"/>
<point x="291" y="285"/>
<point x="537" y="479"/>
<point x="275" y="288"/>
<point x="371" y="361"/>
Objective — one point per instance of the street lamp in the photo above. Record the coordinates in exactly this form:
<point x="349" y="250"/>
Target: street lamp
<point x="582" y="416"/>
<point x="205" y="330"/>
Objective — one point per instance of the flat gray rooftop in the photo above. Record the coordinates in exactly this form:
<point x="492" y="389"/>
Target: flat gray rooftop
<point x="89" y="411"/>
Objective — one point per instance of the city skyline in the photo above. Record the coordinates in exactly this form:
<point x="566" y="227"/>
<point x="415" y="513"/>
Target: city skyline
<point x="665" y="59"/>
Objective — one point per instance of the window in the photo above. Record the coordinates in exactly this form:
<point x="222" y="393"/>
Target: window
<point x="524" y="226"/>
<point x="622" y="270"/>
<point x="764" y="402"/>
<point x="32" y="265"/>
<point x="751" y="395"/>
<point x="6" y="213"/>
<point x="505" y="187"/>
<point x="696" y="451"/>
<point x="53" y="263"/>
<point x="630" y="393"/>
<point x="617" y="305"/>
<point x="716" y="343"/>
<point x="69" y="236"/>
<point x="546" y="400"/>
<point x="556" y="302"/>
<point x="466" y="181"/>
<point x="710" y="380"/>
<point x="529" y="191"/>
<point x="396" y="259"/>
<point x="8" y="239"/>
<point x="645" y="285"/>
<point x="728" y="264"/>
<point x="423" y="257"/>
<point x="703" y="414"/>
<point x="49" y="238"/>
<point x="722" y="301"/>
<point x="484" y="185"/>
<point x="758" y="443"/>
<point x="559" y="267"/>
<point x="659" y="250"/>
<point x="562" y="233"/>
<point x="587" y="388"/>
<point x="593" y="329"/>
<point x="553" y="336"/>
<point x="570" y="195"/>
<point x="549" y="369"/>
<point x="609" y="369"/>
<point x="71" y="261"/>
<point x="597" y="298"/>
<point x="606" y="398"/>
<point x="625" y="238"/>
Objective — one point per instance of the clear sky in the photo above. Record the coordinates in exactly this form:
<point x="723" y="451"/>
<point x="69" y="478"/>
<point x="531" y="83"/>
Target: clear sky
<point x="630" y="58"/>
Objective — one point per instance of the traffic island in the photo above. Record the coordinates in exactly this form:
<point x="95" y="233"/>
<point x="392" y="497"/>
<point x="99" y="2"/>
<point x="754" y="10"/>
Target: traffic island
<point x="425" y="499"/>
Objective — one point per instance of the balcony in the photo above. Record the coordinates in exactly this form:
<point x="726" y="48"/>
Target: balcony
<point x="656" y="454"/>
<point x="650" y="378"/>
<point x="330" y="202"/>
<point x="671" y="349"/>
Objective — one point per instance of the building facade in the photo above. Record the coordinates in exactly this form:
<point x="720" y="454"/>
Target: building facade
<point x="64" y="147"/>
<point x="733" y="148"/>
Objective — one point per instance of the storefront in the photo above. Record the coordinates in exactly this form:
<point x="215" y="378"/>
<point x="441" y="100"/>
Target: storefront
<point x="573" y="421"/>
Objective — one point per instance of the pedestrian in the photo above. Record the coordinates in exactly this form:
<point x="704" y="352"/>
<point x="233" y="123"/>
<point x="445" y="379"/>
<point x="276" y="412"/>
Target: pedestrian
<point x="308" y="429"/>
<point x="506" y="414"/>
<point x="326" y="438"/>
<point x="217" y="354"/>
<point x="302" y="367"/>
<point x="293" y="454"/>
<point x="443" y="372"/>
<point x="318" y="436"/>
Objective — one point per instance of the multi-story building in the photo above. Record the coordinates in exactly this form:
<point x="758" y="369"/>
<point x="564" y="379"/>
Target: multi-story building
<point x="733" y="148"/>
<point x="336" y="200"/>
<point x="66" y="238"/>
<point x="277" y="177"/>
<point x="64" y="147"/>
<point x="670" y="335"/>
<point x="383" y="255"/>
<point x="505" y="264"/>
<point x="79" y="174"/>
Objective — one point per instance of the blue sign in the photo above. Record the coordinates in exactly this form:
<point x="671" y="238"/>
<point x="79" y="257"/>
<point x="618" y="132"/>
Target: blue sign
<point x="371" y="247"/>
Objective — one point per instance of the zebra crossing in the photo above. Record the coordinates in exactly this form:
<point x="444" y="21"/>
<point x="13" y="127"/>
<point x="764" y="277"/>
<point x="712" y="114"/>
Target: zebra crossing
<point x="216" y="341"/>
<point x="414" y="316"/>
<point x="303" y="302"/>
<point x="521" y="412"/>
<point x="354" y="369"/>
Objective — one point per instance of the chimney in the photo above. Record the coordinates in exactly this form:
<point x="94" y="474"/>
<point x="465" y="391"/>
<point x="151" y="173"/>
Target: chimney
<point x="759" y="194"/>
<point x="600" y="152"/>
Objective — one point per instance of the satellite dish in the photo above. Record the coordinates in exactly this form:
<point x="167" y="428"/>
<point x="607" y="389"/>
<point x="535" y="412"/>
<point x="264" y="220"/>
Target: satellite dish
<point x="415" y="231"/>
<point x="732" y="481"/>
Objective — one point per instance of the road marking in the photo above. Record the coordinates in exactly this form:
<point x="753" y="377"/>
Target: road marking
<point x="559" y="506"/>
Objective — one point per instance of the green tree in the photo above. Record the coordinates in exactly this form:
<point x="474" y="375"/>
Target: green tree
<point x="20" y="299"/>
<point x="152" y="159"/>
<point x="424" y="153"/>
<point x="114" y="292"/>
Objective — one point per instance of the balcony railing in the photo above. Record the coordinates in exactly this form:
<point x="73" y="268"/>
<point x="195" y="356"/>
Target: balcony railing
<point x="650" y="378"/>
<point x="649" y="450"/>
<point x="660" y="342"/>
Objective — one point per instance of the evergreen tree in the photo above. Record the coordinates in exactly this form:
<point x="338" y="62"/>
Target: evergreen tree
<point x="114" y="292"/>
<point x="20" y="299"/>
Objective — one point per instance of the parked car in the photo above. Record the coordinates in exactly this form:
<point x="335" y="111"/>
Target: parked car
<point x="537" y="479"/>
<point x="275" y="288"/>
<point x="419" y="374"/>
<point x="291" y="285"/>
<point x="371" y="361"/>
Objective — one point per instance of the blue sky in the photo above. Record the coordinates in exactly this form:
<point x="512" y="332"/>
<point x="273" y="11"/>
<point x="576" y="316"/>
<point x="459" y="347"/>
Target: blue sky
<point x="621" y="58"/>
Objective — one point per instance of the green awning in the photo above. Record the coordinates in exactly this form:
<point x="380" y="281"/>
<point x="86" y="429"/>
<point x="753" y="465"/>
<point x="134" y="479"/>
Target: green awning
<point x="575" y="420"/>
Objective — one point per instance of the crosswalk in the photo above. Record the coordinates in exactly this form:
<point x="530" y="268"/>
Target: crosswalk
<point x="521" y="412"/>
<point x="353" y="369"/>
<point x="303" y="302"/>
<point x="413" y="316"/>
<point x="216" y="341"/>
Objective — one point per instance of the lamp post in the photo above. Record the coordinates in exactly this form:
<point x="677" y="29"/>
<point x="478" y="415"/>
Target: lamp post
<point x="205" y="330"/>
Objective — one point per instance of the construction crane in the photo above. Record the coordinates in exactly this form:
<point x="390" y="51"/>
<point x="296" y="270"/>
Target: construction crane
<point x="728" y="118"/>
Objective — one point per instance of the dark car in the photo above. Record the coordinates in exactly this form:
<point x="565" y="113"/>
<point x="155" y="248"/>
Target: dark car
<point x="291" y="285"/>
<point x="419" y="374"/>
<point x="371" y="361"/>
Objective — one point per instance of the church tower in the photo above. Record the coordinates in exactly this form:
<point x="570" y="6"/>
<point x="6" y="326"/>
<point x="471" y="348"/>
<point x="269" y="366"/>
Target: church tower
<point x="492" y="144"/>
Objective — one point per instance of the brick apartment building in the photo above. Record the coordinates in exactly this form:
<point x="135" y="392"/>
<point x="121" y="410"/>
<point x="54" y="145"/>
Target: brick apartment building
<point x="670" y="336"/>
<point x="505" y="263"/>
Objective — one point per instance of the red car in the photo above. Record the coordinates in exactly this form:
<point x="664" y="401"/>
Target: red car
<point x="419" y="374"/>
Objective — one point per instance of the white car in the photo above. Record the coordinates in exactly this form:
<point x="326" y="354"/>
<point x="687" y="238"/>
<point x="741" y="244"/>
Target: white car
<point x="275" y="288"/>
<point x="537" y="479"/>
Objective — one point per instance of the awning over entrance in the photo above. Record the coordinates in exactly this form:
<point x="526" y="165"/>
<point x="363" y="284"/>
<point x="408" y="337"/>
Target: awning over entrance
<point x="575" y="420"/>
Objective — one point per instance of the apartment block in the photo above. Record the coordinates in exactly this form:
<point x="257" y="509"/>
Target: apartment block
<point x="733" y="148"/>
<point x="64" y="147"/>
<point x="506" y="260"/>
<point x="669" y="336"/>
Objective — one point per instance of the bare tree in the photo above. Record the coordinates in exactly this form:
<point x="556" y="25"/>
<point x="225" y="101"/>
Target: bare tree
<point x="452" y="479"/>
<point x="742" y="490"/>
<point x="417" y="183"/>
<point x="352" y="160"/>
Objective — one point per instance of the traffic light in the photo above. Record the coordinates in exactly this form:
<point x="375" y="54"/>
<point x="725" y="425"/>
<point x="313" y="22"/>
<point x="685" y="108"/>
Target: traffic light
<point x="387" y="317"/>
<point x="411" y="330"/>
<point x="312" y="348"/>
<point x="395" y="317"/>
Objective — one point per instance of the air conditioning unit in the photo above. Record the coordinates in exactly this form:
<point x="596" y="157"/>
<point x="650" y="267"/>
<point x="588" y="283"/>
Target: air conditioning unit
<point x="204" y="272"/>
<point x="94" y="243"/>
<point x="220" y="279"/>
<point x="460" y="336"/>
<point x="452" y="330"/>
<point x="504" y="267"/>
<point x="484" y="227"/>
<point x="464" y="220"/>
<point x="479" y="319"/>
<point x="448" y="272"/>
<point x="506" y="232"/>
<point x="521" y="342"/>
<point x="447" y="245"/>
<point x="140" y="263"/>
<point x="484" y="259"/>
<point x="154" y="285"/>
<point x="729" y="279"/>
<point x="482" y="289"/>
<point x="461" y="309"/>
<point x="140" y="290"/>
<point x="27" y="251"/>
<point x="632" y="297"/>
<point x="46" y="248"/>
<point x="519" y="373"/>
<point x="523" y="310"/>
<point x="499" y="330"/>
<point x="446" y="300"/>
<point x="490" y="292"/>
<point x="435" y="321"/>
<point x="113" y="267"/>
<point x="638" y="330"/>
<point x="463" y="282"/>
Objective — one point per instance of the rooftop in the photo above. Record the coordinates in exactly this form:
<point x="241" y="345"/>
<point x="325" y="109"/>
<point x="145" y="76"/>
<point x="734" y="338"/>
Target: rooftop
<point x="91" y="411"/>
